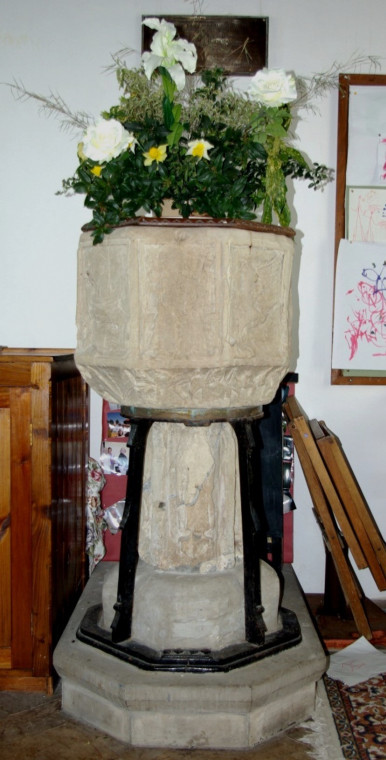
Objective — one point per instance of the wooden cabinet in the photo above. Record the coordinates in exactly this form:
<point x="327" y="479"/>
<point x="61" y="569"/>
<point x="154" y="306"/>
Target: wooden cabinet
<point x="43" y="458"/>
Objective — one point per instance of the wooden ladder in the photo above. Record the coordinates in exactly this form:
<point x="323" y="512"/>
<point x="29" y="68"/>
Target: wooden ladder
<point x="340" y="509"/>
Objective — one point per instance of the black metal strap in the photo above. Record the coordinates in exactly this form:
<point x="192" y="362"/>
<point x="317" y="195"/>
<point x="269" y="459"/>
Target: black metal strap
<point x="121" y="625"/>
<point x="253" y="533"/>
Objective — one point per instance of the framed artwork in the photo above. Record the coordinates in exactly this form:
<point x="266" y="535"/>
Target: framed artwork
<point x="359" y="333"/>
<point x="360" y="307"/>
<point x="237" y="44"/>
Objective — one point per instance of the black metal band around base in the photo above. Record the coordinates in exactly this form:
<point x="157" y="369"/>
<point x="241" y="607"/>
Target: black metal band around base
<point x="189" y="660"/>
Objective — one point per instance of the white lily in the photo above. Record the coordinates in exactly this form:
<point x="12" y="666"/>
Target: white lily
<point x="173" y="55"/>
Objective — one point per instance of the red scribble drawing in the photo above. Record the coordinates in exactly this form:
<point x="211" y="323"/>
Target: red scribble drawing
<point x="368" y="216"/>
<point x="367" y="322"/>
<point x="382" y="158"/>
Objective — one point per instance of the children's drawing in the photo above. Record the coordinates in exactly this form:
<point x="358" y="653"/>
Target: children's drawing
<point x="360" y="307"/>
<point x="382" y="158"/>
<point x="366" y="160"/>
<point x="366" y="214"/>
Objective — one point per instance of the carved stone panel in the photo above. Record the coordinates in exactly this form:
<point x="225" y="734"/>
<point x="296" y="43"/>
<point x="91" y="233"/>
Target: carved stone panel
<point x="177" y="317"/>
<point x="180" y="294"/>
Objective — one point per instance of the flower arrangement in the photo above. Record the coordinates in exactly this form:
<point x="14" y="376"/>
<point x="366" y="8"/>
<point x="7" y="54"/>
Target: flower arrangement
<point x="202" y="145"/>
<point x="208" y="149"/>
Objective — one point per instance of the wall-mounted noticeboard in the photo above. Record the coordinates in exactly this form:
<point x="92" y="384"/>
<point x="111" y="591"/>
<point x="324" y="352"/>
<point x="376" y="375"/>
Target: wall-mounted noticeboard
<point x="359" y="335"/>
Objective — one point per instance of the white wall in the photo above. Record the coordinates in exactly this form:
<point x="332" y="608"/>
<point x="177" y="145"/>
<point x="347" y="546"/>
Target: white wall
<point x="64" y="46"/>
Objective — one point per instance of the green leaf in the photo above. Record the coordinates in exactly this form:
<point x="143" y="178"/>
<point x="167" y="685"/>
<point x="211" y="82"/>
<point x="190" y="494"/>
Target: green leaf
<point x="276" y="130"/>
<point x="267" y="211"/>
<point x="175" y="134"/>
<point x="168" y="83"/>
<point x="177" y="109"/>
<point x="167" y="106"/>
<point x="257" y="150"/>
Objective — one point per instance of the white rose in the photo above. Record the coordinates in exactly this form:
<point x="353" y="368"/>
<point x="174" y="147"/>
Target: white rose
<point x="272" y="87"/>
<point x="105" y="140"/>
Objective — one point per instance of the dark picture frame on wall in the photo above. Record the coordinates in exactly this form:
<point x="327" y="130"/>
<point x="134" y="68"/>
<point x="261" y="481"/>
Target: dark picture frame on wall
<point x="237" y="44"/>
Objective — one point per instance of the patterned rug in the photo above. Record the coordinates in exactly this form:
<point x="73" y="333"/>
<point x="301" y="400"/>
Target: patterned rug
<point x="360" y="717"/>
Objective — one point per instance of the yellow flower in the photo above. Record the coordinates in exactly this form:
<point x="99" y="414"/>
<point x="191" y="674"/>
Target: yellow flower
<point x="97" y="170"/>
<point x="199" y="148"/>
<point x="156" y="153"/>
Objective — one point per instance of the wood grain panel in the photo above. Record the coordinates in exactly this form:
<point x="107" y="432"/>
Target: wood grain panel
<point x="14" y="373"/>
<point x="19" y="680"/>
<point x="21" y="552"/>
<point x="5" y="533"/>
<point x="5" y="658"/>
<point x="41" y="518"/>
<point x="69" y="459"/>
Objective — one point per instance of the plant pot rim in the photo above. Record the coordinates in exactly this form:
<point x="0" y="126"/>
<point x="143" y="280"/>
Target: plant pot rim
<point x="155" y="221"/>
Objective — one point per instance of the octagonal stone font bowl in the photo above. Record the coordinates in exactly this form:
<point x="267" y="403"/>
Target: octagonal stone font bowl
<point x="186" y="320"/>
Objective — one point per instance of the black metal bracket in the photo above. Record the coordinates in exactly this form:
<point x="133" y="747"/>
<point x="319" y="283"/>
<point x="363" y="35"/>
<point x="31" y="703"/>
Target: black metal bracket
<point x="252" y="533"/>
<point x="121" y="625"/>
<point x="256" y="644"/>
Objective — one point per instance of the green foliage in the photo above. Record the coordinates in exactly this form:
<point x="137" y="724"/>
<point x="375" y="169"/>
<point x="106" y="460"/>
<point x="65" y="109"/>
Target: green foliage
<point x="244" y="176"/>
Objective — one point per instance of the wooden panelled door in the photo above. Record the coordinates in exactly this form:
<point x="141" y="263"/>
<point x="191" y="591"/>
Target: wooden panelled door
<point x="43" y="459"/>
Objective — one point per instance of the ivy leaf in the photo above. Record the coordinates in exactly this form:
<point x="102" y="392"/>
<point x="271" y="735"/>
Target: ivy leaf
<point x="276" y="130"/>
